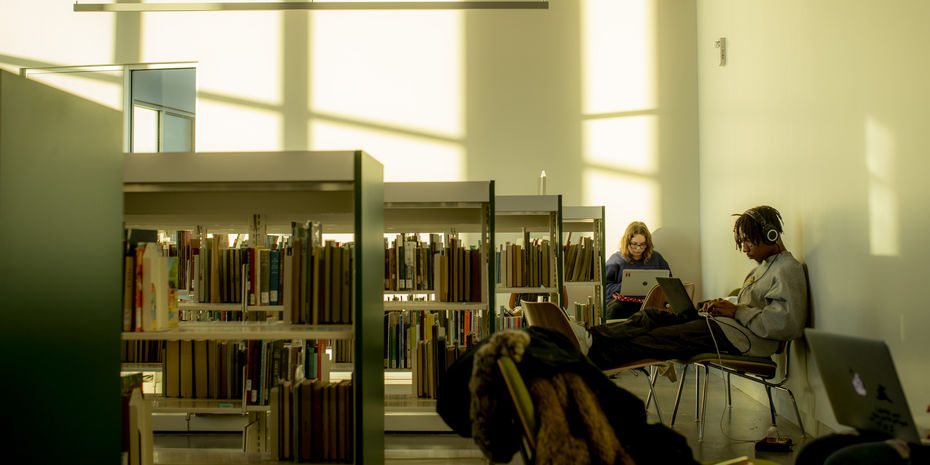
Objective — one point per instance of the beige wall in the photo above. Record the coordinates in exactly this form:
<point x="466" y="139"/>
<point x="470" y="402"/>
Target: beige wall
<point x="600" y="94"/>
<point x="821" y="112"/>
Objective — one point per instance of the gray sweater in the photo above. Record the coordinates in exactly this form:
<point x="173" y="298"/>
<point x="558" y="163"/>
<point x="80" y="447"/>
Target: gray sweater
<point x="771" y="307"/>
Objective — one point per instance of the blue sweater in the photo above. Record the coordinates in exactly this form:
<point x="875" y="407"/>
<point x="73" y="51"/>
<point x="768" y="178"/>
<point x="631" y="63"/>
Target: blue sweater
<point x="613" y="271"/>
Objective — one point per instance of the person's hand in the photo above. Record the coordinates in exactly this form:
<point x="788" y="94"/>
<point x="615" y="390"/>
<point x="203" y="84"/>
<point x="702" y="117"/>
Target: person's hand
<point x="720" y="307"/>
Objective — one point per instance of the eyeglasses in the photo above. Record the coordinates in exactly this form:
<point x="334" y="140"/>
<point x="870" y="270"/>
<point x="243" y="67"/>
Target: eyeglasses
<point x="638" y="245"/>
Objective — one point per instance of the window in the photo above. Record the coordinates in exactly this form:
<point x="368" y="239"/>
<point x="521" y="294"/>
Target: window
<point x="162" y="109"/>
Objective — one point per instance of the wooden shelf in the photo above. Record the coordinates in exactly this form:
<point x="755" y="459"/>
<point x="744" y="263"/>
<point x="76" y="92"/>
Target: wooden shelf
<point x="197" y="306"/>
<point x="137" y="366"/>
<point x="526" y="290"/>
<point x="433" y="305"/>
<point x="242" y="331"/>
<point x="227" y="406"/>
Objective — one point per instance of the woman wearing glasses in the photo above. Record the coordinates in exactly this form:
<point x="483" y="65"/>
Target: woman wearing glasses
<point x="637" y="253"/>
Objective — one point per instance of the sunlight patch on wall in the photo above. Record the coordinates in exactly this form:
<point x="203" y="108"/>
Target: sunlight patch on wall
<point x="625" y="198"/>
<point x="627" y="143"/>
<point x="884" y="218"/>
<point x="227" y="127"/>
<point x="400" y="70"/>
<point x="254" y="52"/>
<point x="405" y="158"/>
<point x="103" y="87"/>
<point x="618" y="55"/>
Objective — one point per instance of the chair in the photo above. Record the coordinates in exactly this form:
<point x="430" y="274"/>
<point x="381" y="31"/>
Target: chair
<point x="760" y="370"/>
<point x="549" y="315"/>
<point x="514" y="298"/>
<point x="526" y="412"/>
<point x="523" y="404"/>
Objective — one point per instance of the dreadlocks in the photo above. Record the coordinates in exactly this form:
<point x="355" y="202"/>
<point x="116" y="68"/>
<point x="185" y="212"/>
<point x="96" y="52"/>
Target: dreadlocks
<point x="750" y="230"/>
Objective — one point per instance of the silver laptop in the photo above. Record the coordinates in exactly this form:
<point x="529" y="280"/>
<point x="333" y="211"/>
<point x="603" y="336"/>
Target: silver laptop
<point x="637" y="283"/>
<point x="862" y="384"/>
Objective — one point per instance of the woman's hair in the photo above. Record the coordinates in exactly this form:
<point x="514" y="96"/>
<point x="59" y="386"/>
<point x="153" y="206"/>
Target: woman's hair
<point x="634" y="228"/>
<point x="749" y="228"/>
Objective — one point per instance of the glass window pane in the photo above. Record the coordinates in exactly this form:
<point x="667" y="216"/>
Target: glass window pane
<point x="144" y="129"/>
<point x="178" y="134"/>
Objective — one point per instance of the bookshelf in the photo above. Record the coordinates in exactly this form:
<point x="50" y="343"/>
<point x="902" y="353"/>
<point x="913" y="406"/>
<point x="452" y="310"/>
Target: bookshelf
<point x="465" y="209"/>
<point x="539" y="217"/>
<point x="586" y="222"/>
<point x="219" y="192"/>
<point x="61" y="210"/>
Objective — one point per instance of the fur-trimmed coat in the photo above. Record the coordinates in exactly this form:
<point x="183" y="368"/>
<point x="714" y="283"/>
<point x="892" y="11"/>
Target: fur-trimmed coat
<point x="582" y="416"/>
<point x="572" y="425"/>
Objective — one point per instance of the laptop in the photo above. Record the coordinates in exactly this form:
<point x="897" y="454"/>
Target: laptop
<point x="676" y="294"/>
<point x="862" y="384"/>
<point x="639" y="282"/>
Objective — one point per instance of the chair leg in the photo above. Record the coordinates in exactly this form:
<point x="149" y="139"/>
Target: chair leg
<point x="651" y="376"/>
<point x="702" y="418"/>
<point x="729" y="392"/>
<point x="652" y="394"/>
<point x="797" y="413"/>
<point x="681" y="385"/>
<point x="697" y="392"/>
<point x="768" y="392"/>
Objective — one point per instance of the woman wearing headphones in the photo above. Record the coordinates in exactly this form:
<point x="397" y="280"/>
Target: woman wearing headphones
<point x="636" y="252"/>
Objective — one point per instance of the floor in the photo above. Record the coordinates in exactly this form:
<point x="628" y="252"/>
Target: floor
<point x="729" y="433"/>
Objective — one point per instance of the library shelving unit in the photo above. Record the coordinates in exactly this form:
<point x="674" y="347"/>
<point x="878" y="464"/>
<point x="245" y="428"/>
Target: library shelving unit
<point x="465" y="209"/>
<point x="587" y="221"/>
<point x="219" y="192"/>
<point x="539" y="216"/>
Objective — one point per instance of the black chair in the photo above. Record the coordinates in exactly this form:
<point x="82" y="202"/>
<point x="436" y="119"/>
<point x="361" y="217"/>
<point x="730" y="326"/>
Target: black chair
<point x="762" y="370"/>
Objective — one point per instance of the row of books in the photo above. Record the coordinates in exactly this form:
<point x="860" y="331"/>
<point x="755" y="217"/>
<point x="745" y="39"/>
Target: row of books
<point x="318" y="277"/>
<point x="150" y="287"/>
<point x="446" y="267"/>
<point x="403" y="330"/>
<point x="235" y="370"/>
<point x="409" y="261"/>
<point x="525" y="265"/>
<point x="580" y="260"/>
<point x="142" y="351"/>
<point x="584" y="312"/>
<point x="312" y="280"/>
<point x="432" y="358"/>
<point x="311" y="421"/>
<point x="510" y="322"/>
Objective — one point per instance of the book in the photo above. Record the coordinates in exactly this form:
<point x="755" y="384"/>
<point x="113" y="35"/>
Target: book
<point x="186" y="369"/>
<point x="213" y="368"/>
<point x="201" y="370"/>
<point x="171" y="367"/>
<point x="129" y="280"/>
<point x="274" y="276"/>
<point x="346" y="284"/>
<point x="264" y="258"/>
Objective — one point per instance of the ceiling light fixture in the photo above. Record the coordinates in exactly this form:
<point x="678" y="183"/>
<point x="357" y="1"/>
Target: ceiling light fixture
<point x="311" y="5"/>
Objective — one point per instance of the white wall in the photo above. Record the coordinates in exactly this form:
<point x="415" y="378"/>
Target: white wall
<point x="601" y="94"/>
<point x="821" y="112"/>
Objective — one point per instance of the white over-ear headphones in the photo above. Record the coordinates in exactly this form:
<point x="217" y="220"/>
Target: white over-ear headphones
<point x="769" y="232"/>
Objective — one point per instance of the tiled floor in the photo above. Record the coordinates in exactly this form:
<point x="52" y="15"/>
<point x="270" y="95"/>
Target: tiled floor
<point x="729" y="433"/>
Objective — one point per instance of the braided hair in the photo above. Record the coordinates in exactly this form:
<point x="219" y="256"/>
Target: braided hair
<point x="750" y="230"/>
